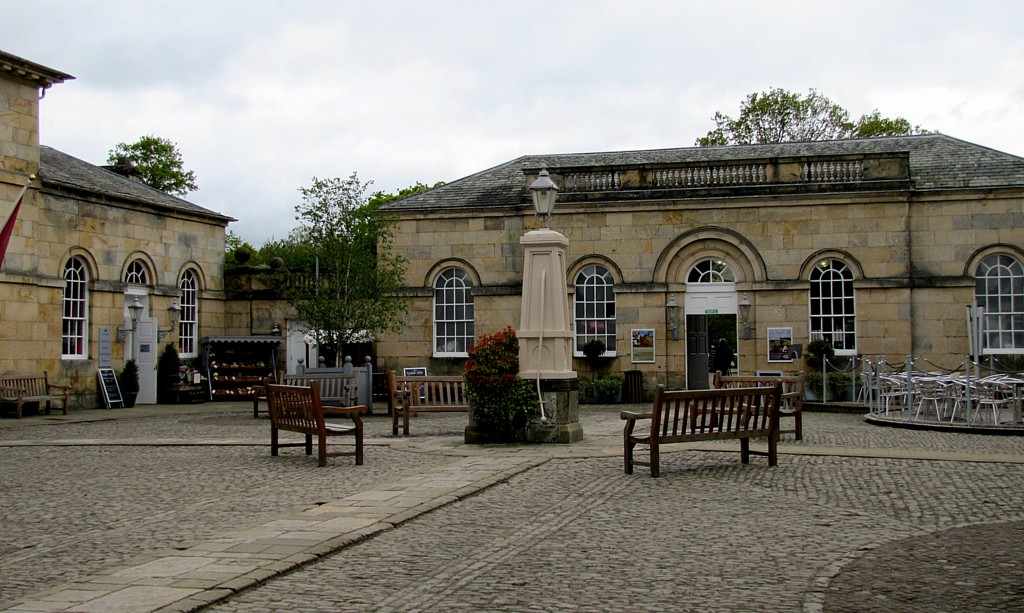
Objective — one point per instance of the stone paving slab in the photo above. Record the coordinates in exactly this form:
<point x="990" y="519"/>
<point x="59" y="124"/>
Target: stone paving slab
<point x="167" y="509"/>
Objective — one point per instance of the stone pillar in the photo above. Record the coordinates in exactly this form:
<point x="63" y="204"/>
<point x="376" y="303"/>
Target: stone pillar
<point x="546" y="338"/>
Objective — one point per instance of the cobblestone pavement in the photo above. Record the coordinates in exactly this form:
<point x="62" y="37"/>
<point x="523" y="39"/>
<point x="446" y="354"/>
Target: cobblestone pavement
<point x="855" y="517"/>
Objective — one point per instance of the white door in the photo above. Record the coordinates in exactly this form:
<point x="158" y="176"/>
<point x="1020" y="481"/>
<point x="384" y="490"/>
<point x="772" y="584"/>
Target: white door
<point x="297" y="348"/>
<point x="145" y="356"/>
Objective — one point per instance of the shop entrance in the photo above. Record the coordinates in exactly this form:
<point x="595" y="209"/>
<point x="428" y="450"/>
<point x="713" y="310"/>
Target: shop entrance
<point x="710" y="317"/>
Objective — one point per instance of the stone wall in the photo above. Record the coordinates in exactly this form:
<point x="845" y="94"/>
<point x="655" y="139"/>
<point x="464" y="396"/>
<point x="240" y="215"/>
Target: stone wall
<point x="912" y="258"/>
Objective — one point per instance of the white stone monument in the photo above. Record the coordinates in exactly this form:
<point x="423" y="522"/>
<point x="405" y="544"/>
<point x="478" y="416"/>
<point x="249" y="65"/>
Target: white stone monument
<point x="545" y="334"/>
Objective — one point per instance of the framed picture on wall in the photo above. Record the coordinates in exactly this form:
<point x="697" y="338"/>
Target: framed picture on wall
<point x="780" y="344"/>
<point x="642" y="345"/>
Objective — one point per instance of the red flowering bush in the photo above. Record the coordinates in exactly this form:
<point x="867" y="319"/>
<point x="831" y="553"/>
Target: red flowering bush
<point x="499" y="397"/>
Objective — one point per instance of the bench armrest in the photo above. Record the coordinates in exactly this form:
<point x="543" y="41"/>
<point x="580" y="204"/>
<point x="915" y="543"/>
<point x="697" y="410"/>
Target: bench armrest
<point x="59" y="388"/>
<point x="633" y="415"/>
<point x="15" y="390"/>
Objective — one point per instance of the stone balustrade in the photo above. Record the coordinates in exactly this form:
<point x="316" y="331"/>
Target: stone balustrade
<point x="862" y="169"/>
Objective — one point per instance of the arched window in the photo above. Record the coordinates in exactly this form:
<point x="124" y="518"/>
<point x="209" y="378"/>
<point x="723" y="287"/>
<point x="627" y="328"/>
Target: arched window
<point x="711" y="271"/>
<point x="594" y="303"/>
<point x="453" y="313"/>
<point x="75" y="320"/>
<point x="999" y="289"/>
<point x="832" y="307"/>
<point x="188" y="325"/>
<point x="136" y="273"/>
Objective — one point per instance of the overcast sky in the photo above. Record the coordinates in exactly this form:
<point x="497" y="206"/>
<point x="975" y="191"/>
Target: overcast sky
<point x="261" y="97"/>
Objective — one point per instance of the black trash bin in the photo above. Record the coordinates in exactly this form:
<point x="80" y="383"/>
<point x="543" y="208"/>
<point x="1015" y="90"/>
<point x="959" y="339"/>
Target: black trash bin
<point x="634" y="387"/>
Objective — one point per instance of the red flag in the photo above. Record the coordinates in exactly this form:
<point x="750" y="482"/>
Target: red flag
<point x="5" y="234"/>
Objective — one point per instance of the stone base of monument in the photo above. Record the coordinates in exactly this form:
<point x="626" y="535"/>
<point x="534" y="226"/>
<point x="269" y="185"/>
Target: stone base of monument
<point x="562" y="408"/>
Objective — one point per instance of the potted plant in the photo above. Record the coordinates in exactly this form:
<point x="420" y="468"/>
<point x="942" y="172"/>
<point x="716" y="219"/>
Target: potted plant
<point x="593" y="352"/>
<point x="168" y="374"/>
<point x="817" y="353"/>
<point x="128" y="381"/>
<point x="500" y="401"/>
<point x="609" y="389"/>
<point x="820" y="355"/>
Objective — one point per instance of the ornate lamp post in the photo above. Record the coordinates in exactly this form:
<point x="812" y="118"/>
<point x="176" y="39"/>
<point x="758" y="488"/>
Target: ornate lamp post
<point x="672" y="316"/>
<point x="134" y="312"/>
<point x="544" y="192"/>
<point x="745" y="317"/>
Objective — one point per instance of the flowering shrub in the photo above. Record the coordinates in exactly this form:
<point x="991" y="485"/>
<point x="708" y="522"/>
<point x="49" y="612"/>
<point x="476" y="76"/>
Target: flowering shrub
<point x="500" y="398"/>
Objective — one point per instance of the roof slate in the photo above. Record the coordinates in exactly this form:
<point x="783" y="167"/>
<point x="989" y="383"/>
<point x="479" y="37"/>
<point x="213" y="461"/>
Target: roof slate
<point x="62" y="170"/>
<point x="937" y="162"/>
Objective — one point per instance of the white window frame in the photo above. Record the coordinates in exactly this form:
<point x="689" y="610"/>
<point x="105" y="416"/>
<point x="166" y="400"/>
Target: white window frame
<point x="593" y="311"/>
<point x="711" y="270"/>
<point x="833" y="317"/>
<point x="75" y="318"/>
<point x="453" y="314"/>
<point x="188" y="324"/>
<point x="999" y="289"/>
<point x="136" y="273"/>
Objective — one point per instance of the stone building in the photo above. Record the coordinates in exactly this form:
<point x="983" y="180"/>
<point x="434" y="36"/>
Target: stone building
<point x="87" y="244"/>
<point x="875" y="245"/>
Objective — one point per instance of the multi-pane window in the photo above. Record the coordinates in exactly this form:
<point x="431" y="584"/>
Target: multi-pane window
<point x="188" y="325"/>
<point x="75" y="320"/>
<point x="453" y="313"/>
<point x="999" y="289"/>
<point x="833" y="316"/>
<point x="136" y="274"/>
<point x="711" y="271"/>
<point x="594" y="307"/>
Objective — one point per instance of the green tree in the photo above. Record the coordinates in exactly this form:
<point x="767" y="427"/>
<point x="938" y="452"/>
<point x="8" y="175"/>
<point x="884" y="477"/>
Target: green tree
<point x="296" y="253"/>
<point x="157" y="162"/>
<point x="779" y="116"/>
<point x="233" y="246"/>
<point x="381" y="198"/>
<point x="360" y="276"/>
<point x="876" y="125"/>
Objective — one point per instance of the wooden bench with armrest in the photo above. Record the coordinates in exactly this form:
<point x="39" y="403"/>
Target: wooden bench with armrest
<point x="20" y="390"/>
<point x="792" y="395"/>
<point x="704" y="415"/>
<point x="336" y="389"/>
<point x="431" y="394"/>
<point x="299" y="409"/>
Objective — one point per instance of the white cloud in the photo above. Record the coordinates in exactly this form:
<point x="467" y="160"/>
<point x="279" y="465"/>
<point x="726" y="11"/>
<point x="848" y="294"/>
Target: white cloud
<point x="261" y="97"/>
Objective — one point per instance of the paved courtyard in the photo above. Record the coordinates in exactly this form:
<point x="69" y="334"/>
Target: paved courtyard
<point x="182" y="508"/>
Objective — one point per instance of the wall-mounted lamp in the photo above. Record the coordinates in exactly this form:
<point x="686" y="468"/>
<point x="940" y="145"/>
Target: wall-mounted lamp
<point x="134" y="312"/>
<point x="174" y="314"/>
<point x="543" y="191"/>
<point x="276" y="330"/>
<point x="745" y="317"/>
<point x="672" y="316"/>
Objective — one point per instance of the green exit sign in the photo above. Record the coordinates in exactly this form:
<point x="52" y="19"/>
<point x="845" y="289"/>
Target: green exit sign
<point x="711" y="311"/>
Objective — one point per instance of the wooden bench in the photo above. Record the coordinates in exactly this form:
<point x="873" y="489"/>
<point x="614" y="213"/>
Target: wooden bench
<point x="431" y="394"/>
<point x="299" y="409"/>
<point x="27" y="389"/>
<point x="336" y="389"/>
<point x="705" y="415"/>
<point x="792" y="395"/>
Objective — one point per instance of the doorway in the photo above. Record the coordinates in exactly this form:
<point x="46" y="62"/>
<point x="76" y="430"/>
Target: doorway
<point x="711" y="315"/>
<point x="703" y="335"/>
<point x="141" y="344"/>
